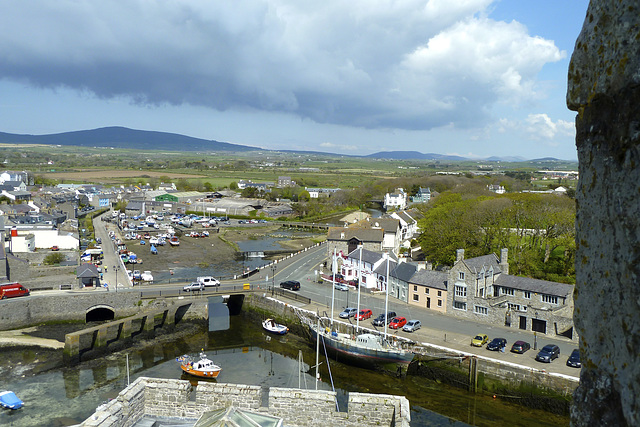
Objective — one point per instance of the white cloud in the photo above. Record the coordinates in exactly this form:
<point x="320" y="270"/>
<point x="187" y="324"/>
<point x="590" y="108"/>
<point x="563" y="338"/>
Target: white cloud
<point x="542" y="127"/>
<point x="338" y="147"/>
<point x="413" y="64"/>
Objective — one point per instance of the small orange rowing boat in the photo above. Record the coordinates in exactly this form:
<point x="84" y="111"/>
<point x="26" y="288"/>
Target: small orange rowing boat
<point x="203" y="368"/>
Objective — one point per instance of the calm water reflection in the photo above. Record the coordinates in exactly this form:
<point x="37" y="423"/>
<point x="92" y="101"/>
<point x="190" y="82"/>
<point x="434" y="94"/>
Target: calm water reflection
<point x="249" y="356"/>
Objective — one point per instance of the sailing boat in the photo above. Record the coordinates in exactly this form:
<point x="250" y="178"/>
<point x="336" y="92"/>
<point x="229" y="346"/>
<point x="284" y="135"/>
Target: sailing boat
<point x="362" y="349"/>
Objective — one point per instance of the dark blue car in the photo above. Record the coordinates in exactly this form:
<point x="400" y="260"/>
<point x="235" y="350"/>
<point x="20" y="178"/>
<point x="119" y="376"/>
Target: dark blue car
<point x="497" y="344"/>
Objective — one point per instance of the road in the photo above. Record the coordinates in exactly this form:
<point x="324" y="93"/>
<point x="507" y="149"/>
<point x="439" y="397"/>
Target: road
<point x="436" y="328"/>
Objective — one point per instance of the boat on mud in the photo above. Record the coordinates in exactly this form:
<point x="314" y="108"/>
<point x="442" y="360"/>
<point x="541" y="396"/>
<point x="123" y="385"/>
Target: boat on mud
<point x="270" y="325"/>
<point x="9" y="400"/>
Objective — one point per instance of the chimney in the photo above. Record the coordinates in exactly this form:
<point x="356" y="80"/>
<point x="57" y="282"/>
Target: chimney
<point x="504" y="262"/>
<point x="422" y="266"/>
<point x="429" y="266"/>
<point x="459" y="255"/>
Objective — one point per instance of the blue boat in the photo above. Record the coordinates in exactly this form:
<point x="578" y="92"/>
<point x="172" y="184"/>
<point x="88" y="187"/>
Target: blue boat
<point x="9" y="400"/>
<point x="154" y="251"/>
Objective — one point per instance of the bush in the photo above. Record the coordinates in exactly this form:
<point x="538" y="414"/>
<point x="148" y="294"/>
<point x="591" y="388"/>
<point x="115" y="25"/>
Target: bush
<point x="54" y="258"/>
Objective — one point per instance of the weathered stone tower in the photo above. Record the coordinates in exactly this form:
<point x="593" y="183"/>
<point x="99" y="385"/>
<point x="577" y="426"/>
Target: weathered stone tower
<point x="604" y="88"/>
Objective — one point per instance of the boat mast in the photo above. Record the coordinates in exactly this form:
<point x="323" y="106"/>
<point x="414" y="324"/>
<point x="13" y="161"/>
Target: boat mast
<point x="359" y="285"/>
<point x="386" y="301"/>
<point x="334" y="267"/>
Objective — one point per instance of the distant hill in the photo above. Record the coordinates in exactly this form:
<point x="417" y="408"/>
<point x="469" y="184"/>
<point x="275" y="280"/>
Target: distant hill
<point x="121" y="137"/>
<point x="408" y="155"/>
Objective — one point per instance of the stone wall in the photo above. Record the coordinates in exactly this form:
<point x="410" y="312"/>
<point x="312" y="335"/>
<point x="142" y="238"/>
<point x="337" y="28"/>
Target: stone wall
<point x="179" y="399"/>
<point x="73" y="306"/>
<point x="28" y="269"/>
<point x="604" y="89"/>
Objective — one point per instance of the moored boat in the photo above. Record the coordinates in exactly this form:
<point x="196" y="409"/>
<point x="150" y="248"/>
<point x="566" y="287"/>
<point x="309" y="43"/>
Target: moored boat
<point x="9" y="400"/>
<point x="173" y="241"/>
<point x="270" y="325"/>
<point x="203" y="367"/>
<point x="363" y="349"/>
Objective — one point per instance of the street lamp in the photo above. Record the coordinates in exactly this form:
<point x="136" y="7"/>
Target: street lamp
<point x="273" y="277"/>
<point x="535" y="334"/>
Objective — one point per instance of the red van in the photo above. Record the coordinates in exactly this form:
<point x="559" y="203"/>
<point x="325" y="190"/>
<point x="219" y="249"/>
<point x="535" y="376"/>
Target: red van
<point x="10" y="290"/>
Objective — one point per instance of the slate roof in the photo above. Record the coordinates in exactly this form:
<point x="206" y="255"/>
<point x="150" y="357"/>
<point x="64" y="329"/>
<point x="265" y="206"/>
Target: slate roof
<point x="389" y="225"/>
<point x="87" y="270"/>
<point x="430" y="278"/>
<point x="403" y="271"/>
<point x="476" y="264"/>
<point x="367" y="256"/>
<point x="362" y="234"/>
<point x="535" y="285"/>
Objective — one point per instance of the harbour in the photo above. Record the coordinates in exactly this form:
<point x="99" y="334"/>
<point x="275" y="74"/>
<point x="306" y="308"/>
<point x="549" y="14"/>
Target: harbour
<point x="247" y="355"/>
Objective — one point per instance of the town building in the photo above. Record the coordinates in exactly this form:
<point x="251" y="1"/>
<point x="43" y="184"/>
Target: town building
<point x="395" y="200"/>
<point x="481" y="289"/>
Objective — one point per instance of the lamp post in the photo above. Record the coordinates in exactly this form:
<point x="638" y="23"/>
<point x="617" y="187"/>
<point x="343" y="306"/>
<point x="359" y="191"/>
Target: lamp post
<point x="535" y="335"/>
<point x="115" y="268"/>
<point x="273" y="278"/>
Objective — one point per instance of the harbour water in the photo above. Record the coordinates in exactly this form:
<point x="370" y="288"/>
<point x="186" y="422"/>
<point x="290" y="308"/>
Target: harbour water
<point x="248" y="355"/>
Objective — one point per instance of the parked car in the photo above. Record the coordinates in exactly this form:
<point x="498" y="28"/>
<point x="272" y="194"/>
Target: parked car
<point x="412" y="326"/>
<point x="520" y="347"/>
<point x="574" y="359"/>
<point x="398" y="322"/>
<point x="379" y="321"/>
<point x="341" y="287"/>
<point x="55" y="248"/>
<point x="480" y="340"/>
<point x="293" y="285"/>
<point x="497" y="344"/>
<point x="548" y="353"/>
<point x="364" y="314"/>
<point x="195" y="286"/>
<point x="348" y="312"/>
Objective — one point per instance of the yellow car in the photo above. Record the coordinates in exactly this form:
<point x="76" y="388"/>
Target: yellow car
<point x="479" y="340"/>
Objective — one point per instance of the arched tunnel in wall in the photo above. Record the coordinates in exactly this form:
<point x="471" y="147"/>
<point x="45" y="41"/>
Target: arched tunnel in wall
<point x="100" y="313"/>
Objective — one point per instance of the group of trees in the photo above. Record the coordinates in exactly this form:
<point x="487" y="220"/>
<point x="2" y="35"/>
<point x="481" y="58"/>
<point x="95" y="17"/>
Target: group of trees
<point x="538" y="230"/>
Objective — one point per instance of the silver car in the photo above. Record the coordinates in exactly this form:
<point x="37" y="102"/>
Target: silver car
<point x="195" y="286"/>
<point x="348" y="312"/>
<point x="412" y="326"/>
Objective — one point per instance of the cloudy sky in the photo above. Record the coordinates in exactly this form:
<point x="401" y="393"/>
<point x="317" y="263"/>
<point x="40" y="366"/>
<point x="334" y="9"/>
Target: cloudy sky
<point x="476" y="78"/>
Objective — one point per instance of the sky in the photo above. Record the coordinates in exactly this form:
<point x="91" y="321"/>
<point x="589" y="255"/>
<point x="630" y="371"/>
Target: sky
<point x="475" y="78"/>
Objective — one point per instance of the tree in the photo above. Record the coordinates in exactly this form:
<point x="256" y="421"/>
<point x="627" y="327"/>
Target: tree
<point x="54" y="258"/>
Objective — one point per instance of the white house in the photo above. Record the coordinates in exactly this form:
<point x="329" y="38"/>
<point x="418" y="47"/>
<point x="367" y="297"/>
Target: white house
<point x="396" y="200"/>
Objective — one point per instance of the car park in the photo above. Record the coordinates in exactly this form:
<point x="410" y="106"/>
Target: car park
<point x="348" y="312"/>
<point x="293" y="285"/>
<point x="479" y="340"/>
<point x="398" y="322"/>
<point x="497" y="344"/>
<point x="379" y="321"/>
<point x="195" y="286"/>
<point x="412" y="326"/>
<point x="548" y="353"/>
<point x="574" y="359"/>
<point x="341" y="287"/>
<point x="520" y="347"/>
<point x="364" y="314"/>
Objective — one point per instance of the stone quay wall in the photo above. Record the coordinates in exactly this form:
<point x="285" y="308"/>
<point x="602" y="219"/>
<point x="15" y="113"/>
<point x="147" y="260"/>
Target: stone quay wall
<point x="73" y="306"/>
<point x="178" y="399"/>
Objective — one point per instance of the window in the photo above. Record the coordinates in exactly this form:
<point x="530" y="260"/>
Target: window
<point x="481" y="310"/>
<point x="416" y="297"/>
<point x="459" y="305"/>
<point x="461" y="291"/>
<point x="527" y="294"/>
<point x="481" y="292"/>
<point x="550" y="299"/>
<point x="426" y="290"/>
<point x="439" y="293"/>
<point x="514" y="307"/>
<point x="415" y="288"/>
<point x="461" y="275"/>
<point x="439" y="303"/>
<point x="508" y="291"/>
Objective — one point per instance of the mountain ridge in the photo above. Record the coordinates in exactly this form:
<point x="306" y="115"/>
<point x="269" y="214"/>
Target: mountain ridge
<point x="123" y="137"/>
